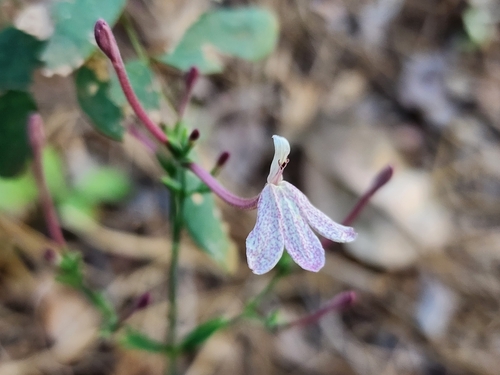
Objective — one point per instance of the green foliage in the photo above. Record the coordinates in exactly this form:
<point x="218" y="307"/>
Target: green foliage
<point x="104" y="184"/>
<point x="70" y="269"/>
<point x="204" y="223"/>
<point x="479" y="25"/>
<point x="15" y="106"/>
<point x="18" y="59"/>
<point x="135" y="340"/>
<point x="19" y="192"/>
<point x="143" y="82"/>
<point x="202" y="333"/>
<point x="249" y="33"/>
<point x="73" y="38"/>
<point x="93" y="96"/>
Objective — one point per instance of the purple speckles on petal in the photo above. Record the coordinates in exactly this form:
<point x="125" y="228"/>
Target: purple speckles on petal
<point x="317" y="219"/>
<point x="300" y="241"/>
<point x="265" y="242"/>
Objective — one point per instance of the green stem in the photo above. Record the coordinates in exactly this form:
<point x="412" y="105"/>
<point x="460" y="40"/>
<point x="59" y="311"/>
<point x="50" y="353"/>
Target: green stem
<point x="250" y="308"/>
<point x="177" y="203"/>
<point x="134" y="38"/>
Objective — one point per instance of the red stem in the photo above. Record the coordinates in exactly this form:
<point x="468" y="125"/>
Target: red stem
<point x="339" y="302"/>
<point x="222" y="192"/>
<point x="191" y="79"/>
<point x="37" y="141"/>
<point x="107" y="43"/>
<point x="382" y="178"/>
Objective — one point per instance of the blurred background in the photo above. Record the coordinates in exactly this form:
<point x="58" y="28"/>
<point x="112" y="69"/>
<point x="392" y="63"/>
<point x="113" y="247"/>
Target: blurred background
<point x="354" y="86"/>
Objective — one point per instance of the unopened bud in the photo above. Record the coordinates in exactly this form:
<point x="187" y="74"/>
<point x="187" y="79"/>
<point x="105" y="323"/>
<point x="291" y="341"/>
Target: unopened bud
<point x="194" y="136"/>
<point x="106" y="40"/>
<point x="191" y="78"/>
<point x="221" y="161"/>
<point x="383" y="177"/>
<point x="143" y="301"/>
<point x="223" y="158"/>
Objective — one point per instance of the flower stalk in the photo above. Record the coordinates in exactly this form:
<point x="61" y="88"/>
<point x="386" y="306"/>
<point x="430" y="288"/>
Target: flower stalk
<point x="37" y="141"/>
<point x="107" y="43"/>
<point x="382" y="178"/>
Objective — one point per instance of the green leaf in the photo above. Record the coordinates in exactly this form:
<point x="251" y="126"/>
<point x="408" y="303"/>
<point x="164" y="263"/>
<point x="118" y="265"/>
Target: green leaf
<point x="53" y="170"/>
<point x="104" y="185"/>
<point x="17" y="193"/>
<point x="479" y="24"/>
<point x="93" y="96"/>
<point x="70" y="270"/>
<point x="143" y="82"/>
<point x="136" y="340"/>
<point x="18" y="59"/>
<point x="15" y="106"/>
<point x="204" y="224"/>
<point x="249" y="33"/>
<point x="73" y="38"/>
<point x="201" y="333"/>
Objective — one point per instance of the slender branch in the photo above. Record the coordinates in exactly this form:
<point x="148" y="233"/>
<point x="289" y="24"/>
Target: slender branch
<point x="339" y="302"/>
<point x="107" y="43"/>
<point x="222" y="192"/>
<point x="134" y="39"/>
<point x="191" y="79"/>
<point x="177" y="205"/>
<point x="37" y="141"/>
<point x="380" y="180"/>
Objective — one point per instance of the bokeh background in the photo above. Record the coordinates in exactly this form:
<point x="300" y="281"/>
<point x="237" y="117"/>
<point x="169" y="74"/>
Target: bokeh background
<point x="354" y="86"/>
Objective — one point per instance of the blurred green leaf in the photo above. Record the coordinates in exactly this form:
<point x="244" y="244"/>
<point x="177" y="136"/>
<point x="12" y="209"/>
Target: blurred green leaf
<point x="104" y="184"/>
<point x="137" y="340"/>
<point x="249" y="33"/>
<point x="70" y="270"/>
<point x="204" y="224"/>
<point x="18" y="59"/>
<point x="73" y="38"/>
<point x="143" y="82"/>
<point x="201" y="333"/>
<point x="15" y="106"/>
<point x="93" y="96"/>
<point x="53" y="170"/>
<point x="17" y="193"/>
<point x="479" y="25"/>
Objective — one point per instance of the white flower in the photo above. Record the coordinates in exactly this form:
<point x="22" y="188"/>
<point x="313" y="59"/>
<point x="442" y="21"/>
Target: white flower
<point x="284" y="220"/>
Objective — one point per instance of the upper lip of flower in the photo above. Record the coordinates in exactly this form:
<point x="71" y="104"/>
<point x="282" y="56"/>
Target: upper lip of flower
<point x="284" y="220"/>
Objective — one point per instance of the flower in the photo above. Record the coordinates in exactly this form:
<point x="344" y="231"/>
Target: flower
<point x="284" y="220"/>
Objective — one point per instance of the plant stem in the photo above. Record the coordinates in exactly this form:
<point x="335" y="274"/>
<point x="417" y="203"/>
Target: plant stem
<point x="177" y="205"/>
<point x="134" y="39"/>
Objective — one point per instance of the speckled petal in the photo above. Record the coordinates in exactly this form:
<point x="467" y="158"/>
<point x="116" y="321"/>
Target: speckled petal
<point x="317" y="219"/>
<point x="265" y="242"/>
<point x="300" y="241"/>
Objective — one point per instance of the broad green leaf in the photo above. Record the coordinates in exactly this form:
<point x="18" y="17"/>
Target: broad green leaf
<point x="137" y="340"/>
<point x="104" y="185"/>
<point x="249" y="33"/>
<point x="94" y="100"/>
<point x="73" y="38"/>
<point x="203" y="222"/>
<point x="202" y="333"/>
<point x="143" y="82"/>
<point x="18" y="59"/>
<point x="16" y="194"/>
<point x="15" y="106"/>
